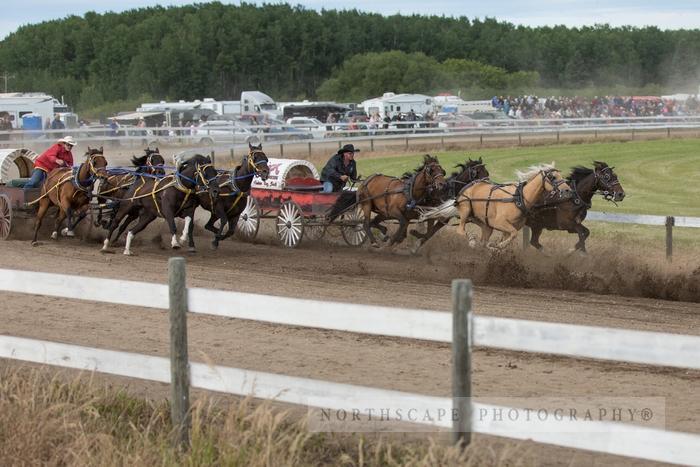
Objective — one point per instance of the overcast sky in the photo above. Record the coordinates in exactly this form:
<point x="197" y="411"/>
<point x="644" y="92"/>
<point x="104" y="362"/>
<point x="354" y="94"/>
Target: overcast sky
<point x="668" y="14"/>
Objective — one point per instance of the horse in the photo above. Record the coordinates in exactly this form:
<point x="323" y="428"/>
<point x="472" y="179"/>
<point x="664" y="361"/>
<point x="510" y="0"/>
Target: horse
<point x="505" y="207"/>
<point x="233" y="195"/>
<point x="395" y="198"/>
<point x="168" y="197"/>
<point x="471" y="171"/>
<point x="120" y="180"/>
<point x="569" y="215"/>
<point x="70" y="188"/>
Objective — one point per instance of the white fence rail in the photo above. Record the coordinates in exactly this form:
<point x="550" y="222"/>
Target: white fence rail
<point x="576" y="341"/>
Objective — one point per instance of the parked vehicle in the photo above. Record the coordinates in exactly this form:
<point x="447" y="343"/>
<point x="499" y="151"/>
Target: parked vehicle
<point x="221" y="132"/>
<point x="317" y="129"/>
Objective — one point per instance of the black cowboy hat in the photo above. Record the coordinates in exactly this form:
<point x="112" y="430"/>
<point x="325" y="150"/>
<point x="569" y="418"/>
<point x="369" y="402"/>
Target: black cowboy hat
<point x="347" y="148"/>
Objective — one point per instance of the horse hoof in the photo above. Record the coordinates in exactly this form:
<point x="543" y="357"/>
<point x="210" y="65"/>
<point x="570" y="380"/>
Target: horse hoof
<point x="128" y="253"/>
<point x="175" y="246"/>
<point x="54" y="236"/>
<point x="191" y="250"/>
<point x="67" y="233"/>
<point x="35" y="243"/>
<point x="106" y="251"/>
<point x="376" y="245"/>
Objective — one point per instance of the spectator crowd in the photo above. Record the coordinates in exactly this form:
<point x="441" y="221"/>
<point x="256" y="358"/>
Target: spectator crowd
<point x="596" y="107"/>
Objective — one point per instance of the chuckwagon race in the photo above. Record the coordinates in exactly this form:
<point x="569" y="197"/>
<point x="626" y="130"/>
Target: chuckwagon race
<point x="275" y="235"/>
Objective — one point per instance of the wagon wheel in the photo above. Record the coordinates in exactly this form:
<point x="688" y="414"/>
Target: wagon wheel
<point x="290" y="224"/>
<point x="352" y="227"/>
<point x="315" y="231"/>
<point x="5" y="217"/>
<point x="249" y="221"/>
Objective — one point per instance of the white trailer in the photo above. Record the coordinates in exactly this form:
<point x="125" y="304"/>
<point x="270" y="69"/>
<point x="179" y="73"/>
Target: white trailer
<point x="18" y="104"/>
<point x="391" y="104"/>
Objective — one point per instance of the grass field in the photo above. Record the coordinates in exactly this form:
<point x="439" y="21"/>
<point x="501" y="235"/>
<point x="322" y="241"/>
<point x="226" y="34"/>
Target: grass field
<point x="660" y="177"/>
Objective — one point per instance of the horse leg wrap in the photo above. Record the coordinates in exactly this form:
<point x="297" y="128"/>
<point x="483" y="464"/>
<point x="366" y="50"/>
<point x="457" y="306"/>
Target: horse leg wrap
<point x="173" y="242"/>
<point x="127" y="247"/>
<point x="66" y="232"/>
<point x="54" y="235"/>
<point x="186" y="230"/>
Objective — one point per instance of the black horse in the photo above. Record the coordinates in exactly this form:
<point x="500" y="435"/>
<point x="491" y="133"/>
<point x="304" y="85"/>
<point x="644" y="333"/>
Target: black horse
<point x="234" y="187"/>
<point x="168" y="197"/>
<point x="471" y="171"/>
<point x="568" y="215"/>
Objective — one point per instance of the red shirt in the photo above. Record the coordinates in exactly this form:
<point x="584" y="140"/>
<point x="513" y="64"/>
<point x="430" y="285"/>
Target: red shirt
<point x="47" y="160"/>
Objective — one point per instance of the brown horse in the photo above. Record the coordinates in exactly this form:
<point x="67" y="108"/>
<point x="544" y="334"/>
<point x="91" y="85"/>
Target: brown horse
<point x="396" y="198"/>
<point x="569" y="215"/>
<point x="71" y="190"/>
<point x="471" y="171"/>
<point x="505" y="207"/>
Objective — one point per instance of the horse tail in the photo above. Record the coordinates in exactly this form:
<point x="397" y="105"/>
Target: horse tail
<point x="346" y="200"/>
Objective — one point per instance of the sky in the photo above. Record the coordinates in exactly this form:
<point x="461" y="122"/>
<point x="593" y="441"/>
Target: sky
<point x="666" y="14"/>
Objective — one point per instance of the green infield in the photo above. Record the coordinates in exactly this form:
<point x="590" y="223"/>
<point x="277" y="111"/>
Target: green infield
<point x="660" y="177"/>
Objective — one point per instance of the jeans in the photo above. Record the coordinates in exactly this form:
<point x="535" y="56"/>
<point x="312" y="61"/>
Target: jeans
<point x="327" y="187"/>
<point x="37" y="178"/>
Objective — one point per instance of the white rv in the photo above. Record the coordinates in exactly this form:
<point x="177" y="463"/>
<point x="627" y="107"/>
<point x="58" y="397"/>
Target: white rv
<point x="455" y="104"/>
<point x="18" y="104"/>
<point x="391" y="104"/>
<point x="252" y="102"/>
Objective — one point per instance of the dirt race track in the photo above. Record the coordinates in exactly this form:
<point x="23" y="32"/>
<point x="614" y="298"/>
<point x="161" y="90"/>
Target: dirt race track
<point x="331" y="271"/>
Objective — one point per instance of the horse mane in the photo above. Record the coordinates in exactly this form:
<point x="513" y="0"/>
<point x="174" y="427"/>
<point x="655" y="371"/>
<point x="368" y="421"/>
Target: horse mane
<point x="580" y="172"/>
<point x="427" y="159"/>
<point x="532" y="171"/>
<point x="139" y="161"/>
<point x="465" y="166"/>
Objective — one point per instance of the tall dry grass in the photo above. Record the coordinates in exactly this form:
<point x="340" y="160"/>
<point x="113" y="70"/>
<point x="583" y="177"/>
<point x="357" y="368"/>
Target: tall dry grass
<point x="49" y="417"/>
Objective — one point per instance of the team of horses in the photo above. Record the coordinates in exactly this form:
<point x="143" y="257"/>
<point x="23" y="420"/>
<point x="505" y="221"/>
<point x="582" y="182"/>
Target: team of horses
<point x="541" y="198"/>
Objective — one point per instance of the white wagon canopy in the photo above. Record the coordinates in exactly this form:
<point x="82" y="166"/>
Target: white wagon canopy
<point x="16" y="163"/>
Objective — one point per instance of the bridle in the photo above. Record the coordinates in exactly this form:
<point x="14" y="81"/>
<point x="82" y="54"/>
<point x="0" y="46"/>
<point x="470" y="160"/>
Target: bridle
<point x="608" y="181"/>
<point x="548" y="176"/>
<point x="252" y="164"/>
<point x="433" y="178"/>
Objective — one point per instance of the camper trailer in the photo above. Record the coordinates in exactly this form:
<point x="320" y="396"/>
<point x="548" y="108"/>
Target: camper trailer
<point x="33" y="109"/>
<point x="391" y="104"/>
<point x="252" y="102"/>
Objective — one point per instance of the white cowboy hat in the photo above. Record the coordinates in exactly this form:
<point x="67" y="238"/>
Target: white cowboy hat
<point x="68" y="140"/>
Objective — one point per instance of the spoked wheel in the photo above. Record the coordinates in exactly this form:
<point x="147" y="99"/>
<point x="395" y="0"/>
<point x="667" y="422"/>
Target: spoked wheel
<point x="315" y="231"/>
<point x="5" y="217"/>
<point x="290" y="224"/>
<point x="352" y="227"/>
<point x="249" y="221"/>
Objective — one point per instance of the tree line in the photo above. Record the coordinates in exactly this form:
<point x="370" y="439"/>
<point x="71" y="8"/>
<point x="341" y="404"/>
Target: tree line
<point x="290" y="52"/>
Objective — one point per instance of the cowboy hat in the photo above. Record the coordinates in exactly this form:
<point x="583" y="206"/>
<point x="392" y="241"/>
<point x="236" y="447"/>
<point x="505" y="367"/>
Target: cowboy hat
<point x="347" y="148"/>
<point x="68" y="140"/>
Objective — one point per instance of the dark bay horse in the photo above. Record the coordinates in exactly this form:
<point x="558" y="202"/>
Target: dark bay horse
<point x="505" y="207"/>
<point x="395" y="198"/>
<point x="471" y="171"/>
<point x="70" y="188"/>
<point x="234" y="187"/>
<point x="569" y="215"/>
<point x="120" y="180"/>
<point x="168" y="197"/>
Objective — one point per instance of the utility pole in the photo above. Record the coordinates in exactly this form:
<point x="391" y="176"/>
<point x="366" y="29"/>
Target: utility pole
<point x="6" y="77"/>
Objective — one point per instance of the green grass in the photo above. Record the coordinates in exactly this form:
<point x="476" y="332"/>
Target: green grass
<point x="660" y="177"/>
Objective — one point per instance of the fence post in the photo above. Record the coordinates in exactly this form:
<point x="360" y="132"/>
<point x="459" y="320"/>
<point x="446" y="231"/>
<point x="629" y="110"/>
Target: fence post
<point x="526" y="237"/>
<point x="281" y="150"/>
<point x="233" y="155"/>
<point x="442" y="143"/>
<point x="309" y="149"/>
<point x="212" y="156"/>
<point x="557" y="136"/>
<point x="461" y="361"/>
<point x="179" y="361"/>
<point x="520" y="139"/>
<point x="670" y="222"/>
<point x="481" y="139"/>
<point x="371" y="144"/>
<point x="595" y="134"/>
<point x="406" y="143"/>
<point x="668" y="132"/>
<point x="632" y="133"/>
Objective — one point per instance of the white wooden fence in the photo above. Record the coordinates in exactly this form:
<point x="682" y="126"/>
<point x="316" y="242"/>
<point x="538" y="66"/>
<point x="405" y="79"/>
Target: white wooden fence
<point x="529" y="336"/>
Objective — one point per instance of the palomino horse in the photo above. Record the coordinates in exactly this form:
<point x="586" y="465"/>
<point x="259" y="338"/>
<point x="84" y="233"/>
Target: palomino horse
<point x="471" y="171"/>
<point x="569" y="215"/>
<point x="168" y="197"/>
<point x="395" y="198"/>
<point x="505" y="207"/>
<point x="233" y="195"/>
<point x="70" y="189"/>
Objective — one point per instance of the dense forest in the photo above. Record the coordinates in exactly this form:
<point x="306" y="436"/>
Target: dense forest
<point x="216" y="50"/>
